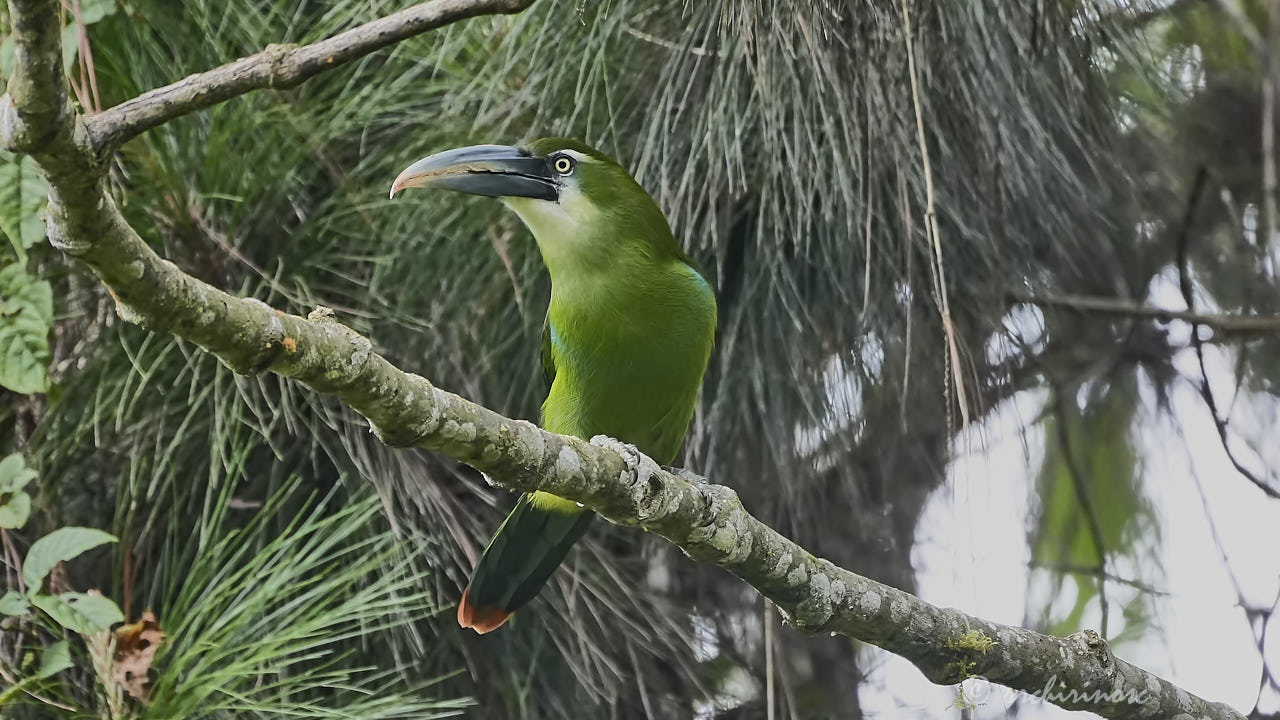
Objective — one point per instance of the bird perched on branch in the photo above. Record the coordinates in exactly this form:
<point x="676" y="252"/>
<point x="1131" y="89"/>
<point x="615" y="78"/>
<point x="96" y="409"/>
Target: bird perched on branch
<point x="627" y="337"/>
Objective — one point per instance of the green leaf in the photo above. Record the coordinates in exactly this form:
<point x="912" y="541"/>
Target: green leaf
<point x="54" y="659"/>
<point x="70" y="46"/>
<point x="91" y="11"/>
<point x="13" y="603"/>
<point x="15" y="508"/>
<point x="14" y="473"/>
<point x="26" y="312"/>
<point x="60" y="545"/>
<point x="15" y="505"/>
<point x="21" y="291"/>
<point x="80" y="612"/>
<point x="22" y="200"/>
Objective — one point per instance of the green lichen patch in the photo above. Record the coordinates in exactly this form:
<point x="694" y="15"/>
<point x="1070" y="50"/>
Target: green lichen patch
<point x="975" y="640"/>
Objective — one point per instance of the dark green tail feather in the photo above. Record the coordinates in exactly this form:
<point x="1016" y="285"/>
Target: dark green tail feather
<point x="524" y="552"/>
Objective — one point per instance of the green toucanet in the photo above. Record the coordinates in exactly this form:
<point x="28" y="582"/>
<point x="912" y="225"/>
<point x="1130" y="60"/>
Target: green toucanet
<point x="628" y="333"/>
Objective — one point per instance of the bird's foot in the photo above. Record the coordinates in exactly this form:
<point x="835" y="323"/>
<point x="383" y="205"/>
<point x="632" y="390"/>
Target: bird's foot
<point x="639" y="464"/>
<point x="646" y="487"/>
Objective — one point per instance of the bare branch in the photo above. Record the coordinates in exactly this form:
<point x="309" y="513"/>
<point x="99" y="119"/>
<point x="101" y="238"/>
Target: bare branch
<point x="279" y="66"/>
<point x="1128" y="17"/>
<point x="1183" y="240"/>
<point x="706" y="521"/>
<point x="1221" y="324"/>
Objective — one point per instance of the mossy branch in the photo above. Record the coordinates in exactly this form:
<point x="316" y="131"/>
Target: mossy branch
<point x="706" y="521"/>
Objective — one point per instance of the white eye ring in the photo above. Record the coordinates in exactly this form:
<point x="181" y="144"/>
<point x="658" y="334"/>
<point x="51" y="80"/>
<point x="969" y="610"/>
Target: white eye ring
<point x="562" y="165"/>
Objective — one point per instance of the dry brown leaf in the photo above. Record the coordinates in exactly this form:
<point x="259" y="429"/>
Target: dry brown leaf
<point x="136" y="646"/>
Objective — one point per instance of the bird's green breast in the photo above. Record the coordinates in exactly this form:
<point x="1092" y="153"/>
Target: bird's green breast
<point x="630" y="346"/>
<point x="630" y="324"/>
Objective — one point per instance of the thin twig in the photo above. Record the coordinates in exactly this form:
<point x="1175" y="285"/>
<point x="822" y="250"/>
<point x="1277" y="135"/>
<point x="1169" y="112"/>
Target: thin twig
<point x="16" y="686"/>
<point x="909" y="310"/>
<point x="654" y="39"/>
<point x="1126" y="17"/>
<point x="13" y="562"/>
<point x="1094" y="571"/>
<point x="1241" y="600"/>
<point x="1268" y="676"/>
<point x="1226" y="324"/>
<point x="1183" y="242"/>
<point x="768" y="658"/>
<point x="1269" y="82"/>
<point x="954" y="370"/>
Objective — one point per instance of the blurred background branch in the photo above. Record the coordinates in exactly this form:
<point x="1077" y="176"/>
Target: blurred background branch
<point x="1230" y="325"/>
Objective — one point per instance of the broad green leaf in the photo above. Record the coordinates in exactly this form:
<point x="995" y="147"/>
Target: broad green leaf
<point x="13" y="603"/>
<point x="15" y="505"/>
<point x="26" y="312"/>
<point x="22" y="201"/>
<point x="80" y="612"/>
<point x="70" y="45"/>
<point x="54" y="659"/>
<point x="15" y="508"/>
<point x="60" y="545"/>
<point x="14" y="473"/>
<point x="21" y="291"/>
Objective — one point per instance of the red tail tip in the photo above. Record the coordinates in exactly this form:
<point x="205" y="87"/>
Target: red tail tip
<point x="481" y="619"/>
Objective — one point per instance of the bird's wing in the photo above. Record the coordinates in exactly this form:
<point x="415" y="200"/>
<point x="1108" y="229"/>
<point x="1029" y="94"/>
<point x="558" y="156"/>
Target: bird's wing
<point x="548" y="360"/>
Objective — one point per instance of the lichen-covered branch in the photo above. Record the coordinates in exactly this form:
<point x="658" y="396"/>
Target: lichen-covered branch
<point x="279" y="67"/>
<point x="706" y="521"/>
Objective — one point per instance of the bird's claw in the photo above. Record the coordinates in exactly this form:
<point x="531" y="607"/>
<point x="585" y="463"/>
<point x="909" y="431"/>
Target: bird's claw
<point x="643" y="480"/>
<point x="688" y="475"/>
<point x="638" y="463"/>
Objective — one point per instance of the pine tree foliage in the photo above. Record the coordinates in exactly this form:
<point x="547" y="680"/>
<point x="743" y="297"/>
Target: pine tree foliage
<point x="784" y="142"/>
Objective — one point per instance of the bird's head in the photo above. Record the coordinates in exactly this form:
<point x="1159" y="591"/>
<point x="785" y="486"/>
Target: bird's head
<point x="580" y="204"/>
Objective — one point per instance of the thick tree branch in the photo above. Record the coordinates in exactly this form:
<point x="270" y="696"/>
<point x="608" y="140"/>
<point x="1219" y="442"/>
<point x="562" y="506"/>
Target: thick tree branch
<point x="706" y="521"/>
<point x="279" y="66"/>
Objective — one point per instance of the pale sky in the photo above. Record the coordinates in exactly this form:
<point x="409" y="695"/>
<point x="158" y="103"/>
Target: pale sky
<point x="972" y="551"/>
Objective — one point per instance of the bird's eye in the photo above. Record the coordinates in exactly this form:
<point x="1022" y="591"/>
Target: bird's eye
<point x="562" y="165"/>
